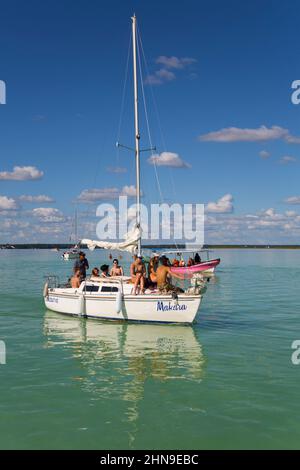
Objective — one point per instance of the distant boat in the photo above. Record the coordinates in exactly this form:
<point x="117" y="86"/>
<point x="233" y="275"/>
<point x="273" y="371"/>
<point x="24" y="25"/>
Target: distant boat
<point x="205" y="267"/>
<point x="73" y="253"/>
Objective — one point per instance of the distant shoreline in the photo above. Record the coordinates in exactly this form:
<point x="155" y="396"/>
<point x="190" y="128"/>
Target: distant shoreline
<point x="65" y="246"/>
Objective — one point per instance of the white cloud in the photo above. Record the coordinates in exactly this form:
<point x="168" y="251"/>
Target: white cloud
<point x="48" y="214"/>
<point x="288" y="159"/>
<point x="164" y="74"/>
<point x="129" y="191"/>
<point x="116" y="169"/>
<point x="40" y="198"/>
<point x="174" y="62"/>
<point x="160" y="76"/>
<point x="168" y="159"/>
<point x="292" y="200"/>
<point x="95" y="195"/>
<point x="7" y="203"/>
<point x="101" y="194"/>
<point x="22" y="173"/>
<point x="264" y="154"/>
<point x="223" y="205"/>
<point x="262" y="133"/>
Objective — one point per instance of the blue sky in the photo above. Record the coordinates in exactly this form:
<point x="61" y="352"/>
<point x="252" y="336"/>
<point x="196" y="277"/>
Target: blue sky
<point x="212" y="66"/>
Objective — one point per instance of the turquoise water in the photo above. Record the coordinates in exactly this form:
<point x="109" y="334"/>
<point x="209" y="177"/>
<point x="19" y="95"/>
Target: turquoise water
<point x="227" y="382"/>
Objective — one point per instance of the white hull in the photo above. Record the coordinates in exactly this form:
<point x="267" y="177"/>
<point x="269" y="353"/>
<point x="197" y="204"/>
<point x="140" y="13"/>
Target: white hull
<point x="127" y="307"/>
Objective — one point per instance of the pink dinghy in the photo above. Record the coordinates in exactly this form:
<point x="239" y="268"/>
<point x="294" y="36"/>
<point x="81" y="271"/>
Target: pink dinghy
<point x="206" y="266"/>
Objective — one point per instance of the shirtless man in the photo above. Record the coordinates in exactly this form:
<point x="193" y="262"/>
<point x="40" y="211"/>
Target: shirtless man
<point x="162" y="276"/>
<point x="75" y="280"/>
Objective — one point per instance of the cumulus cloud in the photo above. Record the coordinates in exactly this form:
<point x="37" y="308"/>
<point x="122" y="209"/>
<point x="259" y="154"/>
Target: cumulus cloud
<point x="168" y="66"/>
<point x="116" y="169"/>
<point x="40" y="198"/>
<point x="129" y="191"/>
<point x="174" y="62"/>
<point x="95" y="195"/>
<point x="287" y="159"/>
<point x="262" y="133"/>
<point x="223" y="205"/>
<point x="48" y="214"/>
<point x="101" y="194"/>
<point x="22" y="173"/>
<point x="7" y="203"/>
<point x="160" y="76"/>
<point x="168" y="159"/>
<point x="264" y="154"/>
<point x="292" y="200"/>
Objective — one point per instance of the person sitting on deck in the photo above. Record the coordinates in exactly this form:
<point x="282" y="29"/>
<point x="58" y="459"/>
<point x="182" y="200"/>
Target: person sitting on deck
<point x="190" y="262"/>
<point x="163" y="274"/>
<point x="75" y="280"/>
<point x="104" y="270"/>
<point x="116" y="270"/>
<point x="175" y="263"/>
<point x="182" y="263"/>
<point x="139" y="274"/>
<point x="152" y="267"/>
<point x="95" y="272"/>
<point x="132" y="267"/>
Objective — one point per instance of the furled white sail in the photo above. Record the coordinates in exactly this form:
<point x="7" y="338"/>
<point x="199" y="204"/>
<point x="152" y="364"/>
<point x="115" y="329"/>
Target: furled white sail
<point x="129" y="244"/>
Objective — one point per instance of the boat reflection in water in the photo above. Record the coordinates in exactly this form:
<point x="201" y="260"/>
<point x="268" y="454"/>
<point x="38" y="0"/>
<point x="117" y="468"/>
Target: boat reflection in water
<point x="118" y="358"/>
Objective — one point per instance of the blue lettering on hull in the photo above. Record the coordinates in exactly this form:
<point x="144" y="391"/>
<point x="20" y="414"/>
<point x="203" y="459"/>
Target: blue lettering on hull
<point x="166" y="306"/>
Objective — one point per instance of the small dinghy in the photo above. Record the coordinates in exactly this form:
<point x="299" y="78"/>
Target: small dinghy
<point x="206" y="267"/>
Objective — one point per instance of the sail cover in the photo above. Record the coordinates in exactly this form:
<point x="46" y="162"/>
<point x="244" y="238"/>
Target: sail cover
<point x="129" y="244"/>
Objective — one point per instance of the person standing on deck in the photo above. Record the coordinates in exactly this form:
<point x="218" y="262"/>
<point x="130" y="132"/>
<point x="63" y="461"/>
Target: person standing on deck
<point x="82" y="264"/>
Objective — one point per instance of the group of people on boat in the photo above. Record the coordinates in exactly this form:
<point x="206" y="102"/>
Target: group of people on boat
<point x="157" y="275"/>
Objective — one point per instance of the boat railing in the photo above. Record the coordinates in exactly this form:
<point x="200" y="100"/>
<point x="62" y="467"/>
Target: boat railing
<point x="52" y="280"/>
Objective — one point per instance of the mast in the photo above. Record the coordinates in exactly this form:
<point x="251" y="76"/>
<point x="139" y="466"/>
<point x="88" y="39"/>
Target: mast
<point x="75" y="226"/>
<point x="137" y="133"/>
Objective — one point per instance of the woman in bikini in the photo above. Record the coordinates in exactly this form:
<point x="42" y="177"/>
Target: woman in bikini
<point x="138" y="275"/>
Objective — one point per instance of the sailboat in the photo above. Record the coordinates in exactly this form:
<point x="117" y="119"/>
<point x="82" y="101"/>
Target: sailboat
<point x="72" y="253"/>
<point x="114" y="298"/>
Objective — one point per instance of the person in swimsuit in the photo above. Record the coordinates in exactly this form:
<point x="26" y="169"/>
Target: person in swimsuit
<point x="163" y="275"/>
<point x="75" y="280"/>
<point x="152" y="267"/>
<point x="139" y="274"/>
<point x="116" y="270"/>
<point x="104" y="270"/>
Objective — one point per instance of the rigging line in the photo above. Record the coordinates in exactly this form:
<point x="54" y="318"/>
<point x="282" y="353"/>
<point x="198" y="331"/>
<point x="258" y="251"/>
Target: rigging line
<point x="158" y="119"/>
<point x="157" y="116"/>
<point x="146" y="116"/>
<point x="123" y="93"/>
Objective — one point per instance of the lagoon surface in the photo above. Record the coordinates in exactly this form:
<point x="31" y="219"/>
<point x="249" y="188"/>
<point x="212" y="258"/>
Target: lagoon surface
<point x="225" y="383"/>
